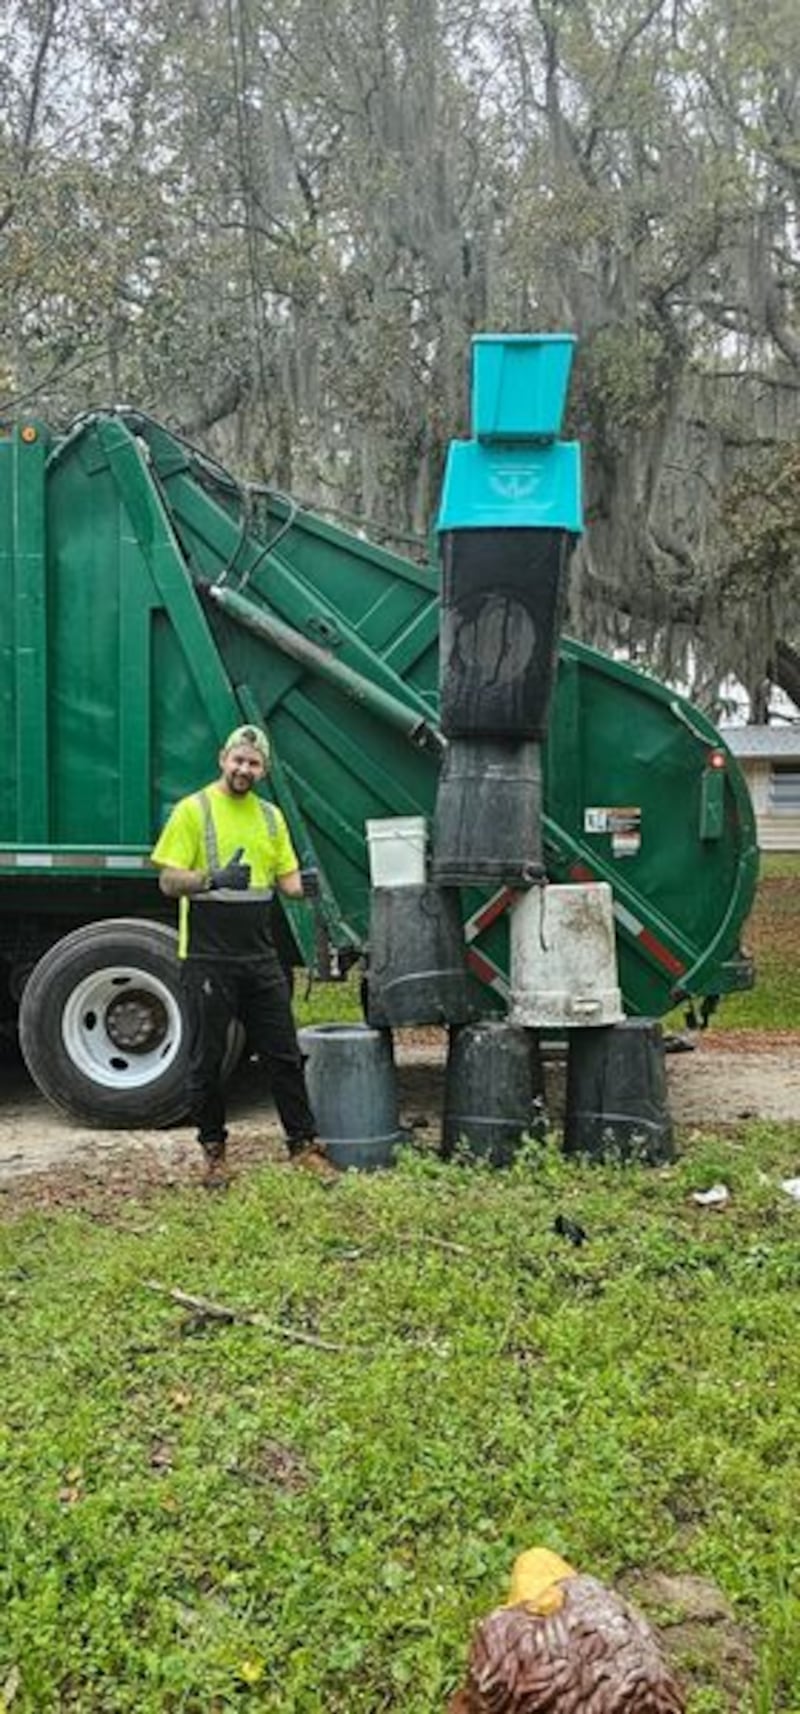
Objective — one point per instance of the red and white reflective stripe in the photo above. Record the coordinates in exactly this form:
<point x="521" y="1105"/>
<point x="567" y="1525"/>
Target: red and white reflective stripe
<point x="579" y="872"/>
<point x="674" y="965"/>
<point x="485" y="968"/>
<point x="488" y="913"/>
<point x="72" y="860"/>
<point x="637" y="929"/>
<point x="488" y="972"/>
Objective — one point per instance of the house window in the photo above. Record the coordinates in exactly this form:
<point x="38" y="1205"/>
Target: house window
<point x="784" y="788"/>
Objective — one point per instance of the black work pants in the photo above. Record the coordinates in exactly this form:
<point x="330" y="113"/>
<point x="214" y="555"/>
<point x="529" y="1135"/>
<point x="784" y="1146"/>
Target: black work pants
<point x="257" y="994"/>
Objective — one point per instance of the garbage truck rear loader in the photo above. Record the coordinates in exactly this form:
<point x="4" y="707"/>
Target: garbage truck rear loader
<point x="149" y="603"/>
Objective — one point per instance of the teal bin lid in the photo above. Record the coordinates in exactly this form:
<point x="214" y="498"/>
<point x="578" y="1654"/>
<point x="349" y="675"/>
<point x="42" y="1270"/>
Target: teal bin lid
<point x="519" y="384"/>
<point x="512" y="487"/>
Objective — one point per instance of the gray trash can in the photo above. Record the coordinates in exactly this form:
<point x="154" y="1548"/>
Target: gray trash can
<point x="352" y="1088"/>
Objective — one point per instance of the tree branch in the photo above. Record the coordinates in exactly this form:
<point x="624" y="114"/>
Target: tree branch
<point x="34" y="99"/>
<point x="627" y="44"/>
<point x="207" y="1310"/>
<point x="786" y="341"/>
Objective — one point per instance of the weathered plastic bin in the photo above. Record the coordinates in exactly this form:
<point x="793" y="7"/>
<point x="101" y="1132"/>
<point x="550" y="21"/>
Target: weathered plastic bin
<point x="417" y="970"/>
<point x="617" y="1103"/>
<point x="494" y="1092"/>
<point x="519" y="384"/>
<point x="564" y="958"/>
<point x="352" y="1088"/>
<point x="397" y="848"/>
<point x="503" y="594"/>
<point x="488" y="822"/>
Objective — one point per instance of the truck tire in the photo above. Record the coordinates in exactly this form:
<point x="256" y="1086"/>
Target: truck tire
<point x="102" y="1026"/>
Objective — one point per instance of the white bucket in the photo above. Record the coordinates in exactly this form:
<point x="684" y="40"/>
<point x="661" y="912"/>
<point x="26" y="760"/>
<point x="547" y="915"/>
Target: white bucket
<point x="397" y="850"/>
<point x="564" y="958"/>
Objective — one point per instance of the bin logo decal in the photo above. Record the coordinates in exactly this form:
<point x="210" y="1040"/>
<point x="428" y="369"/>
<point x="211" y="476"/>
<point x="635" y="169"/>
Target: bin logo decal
<point x="514" y="483"/>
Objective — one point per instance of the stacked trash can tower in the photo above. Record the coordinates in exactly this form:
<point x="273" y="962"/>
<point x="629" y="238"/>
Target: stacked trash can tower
<point x="509" y="519"/>
<point x="511" y="514"/>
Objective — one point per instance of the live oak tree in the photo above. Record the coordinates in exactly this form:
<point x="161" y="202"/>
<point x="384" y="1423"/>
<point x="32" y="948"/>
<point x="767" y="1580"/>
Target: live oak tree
<point x="276" y="224"/>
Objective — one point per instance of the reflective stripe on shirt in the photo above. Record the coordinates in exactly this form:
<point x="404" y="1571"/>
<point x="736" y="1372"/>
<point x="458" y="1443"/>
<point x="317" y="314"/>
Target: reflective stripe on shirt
<point x="210" y="834"/>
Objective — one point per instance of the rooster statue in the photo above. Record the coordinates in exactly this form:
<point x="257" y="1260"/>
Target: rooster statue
<point x="564" y="1644"/>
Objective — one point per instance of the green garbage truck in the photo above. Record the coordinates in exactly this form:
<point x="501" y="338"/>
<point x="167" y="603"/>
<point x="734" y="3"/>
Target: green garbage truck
<point x="149" y="603"/>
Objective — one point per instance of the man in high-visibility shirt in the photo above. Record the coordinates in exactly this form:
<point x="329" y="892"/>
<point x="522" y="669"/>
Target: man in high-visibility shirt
<point x="221" y="853"/>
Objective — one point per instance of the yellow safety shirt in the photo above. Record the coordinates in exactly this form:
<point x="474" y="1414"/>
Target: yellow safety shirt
<point x="203" y="832"/>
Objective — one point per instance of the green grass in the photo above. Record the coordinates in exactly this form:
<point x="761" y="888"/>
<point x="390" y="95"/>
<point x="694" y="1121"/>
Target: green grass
<point x="208" y="1518"/>
<point x="328" y="1002"/>
<point x="216" y="1517"/>
<point x="779" y="865"/>
<point x="773" y="937"/>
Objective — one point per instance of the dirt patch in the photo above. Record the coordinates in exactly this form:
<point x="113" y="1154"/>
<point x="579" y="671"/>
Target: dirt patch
<point x="49" y="1161"/>
<point x="698" y="1632"/>
<point x="278" y="1466"/>
<point x="750" y="1041"/>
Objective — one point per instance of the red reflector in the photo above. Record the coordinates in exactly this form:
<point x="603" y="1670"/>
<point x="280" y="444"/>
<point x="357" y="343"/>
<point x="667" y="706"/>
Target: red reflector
<point x="716" y="759"/>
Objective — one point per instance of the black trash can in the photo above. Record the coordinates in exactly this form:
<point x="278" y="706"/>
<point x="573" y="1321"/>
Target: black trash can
<point x="503" y="595"/>
<point x="417" y="958"/>
<point x="488" y="822"/>
<point x="616" y="1105"/>
<point x="494" y="1092"/>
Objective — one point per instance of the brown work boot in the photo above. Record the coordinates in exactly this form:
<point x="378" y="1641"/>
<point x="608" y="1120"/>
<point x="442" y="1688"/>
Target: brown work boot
<point x="216" y="1175"/>
<point x="313" y="1159"/>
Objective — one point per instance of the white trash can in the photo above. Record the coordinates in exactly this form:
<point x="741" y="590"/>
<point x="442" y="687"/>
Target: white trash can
<point x="564" y="958"/>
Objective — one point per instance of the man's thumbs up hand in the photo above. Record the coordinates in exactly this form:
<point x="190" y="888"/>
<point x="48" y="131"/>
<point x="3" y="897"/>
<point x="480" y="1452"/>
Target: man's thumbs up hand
<point x="235" y="875"/>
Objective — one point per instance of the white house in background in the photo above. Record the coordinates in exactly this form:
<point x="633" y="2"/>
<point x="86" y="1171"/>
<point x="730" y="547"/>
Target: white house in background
<point x="769" y="757"/>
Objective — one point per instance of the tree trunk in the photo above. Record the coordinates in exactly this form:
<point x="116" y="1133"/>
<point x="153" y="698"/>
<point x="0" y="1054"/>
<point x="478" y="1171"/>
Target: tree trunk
<point x="786" y="671"/>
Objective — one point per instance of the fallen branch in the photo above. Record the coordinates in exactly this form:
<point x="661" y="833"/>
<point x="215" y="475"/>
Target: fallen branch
<point x="207" y="1310"/>
<point x="439" y="1243"/>
<point x="411" y="1240"/>
<point x="475" y="1249"/>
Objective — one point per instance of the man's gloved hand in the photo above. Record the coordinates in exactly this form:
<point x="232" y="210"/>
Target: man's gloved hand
<point x="311" y="883"/>
<point x="235" y="874"/>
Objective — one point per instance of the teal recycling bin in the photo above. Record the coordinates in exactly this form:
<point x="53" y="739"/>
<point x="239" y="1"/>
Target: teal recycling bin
<point x="519" y="384"/>
<point x="518" y="487"/>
